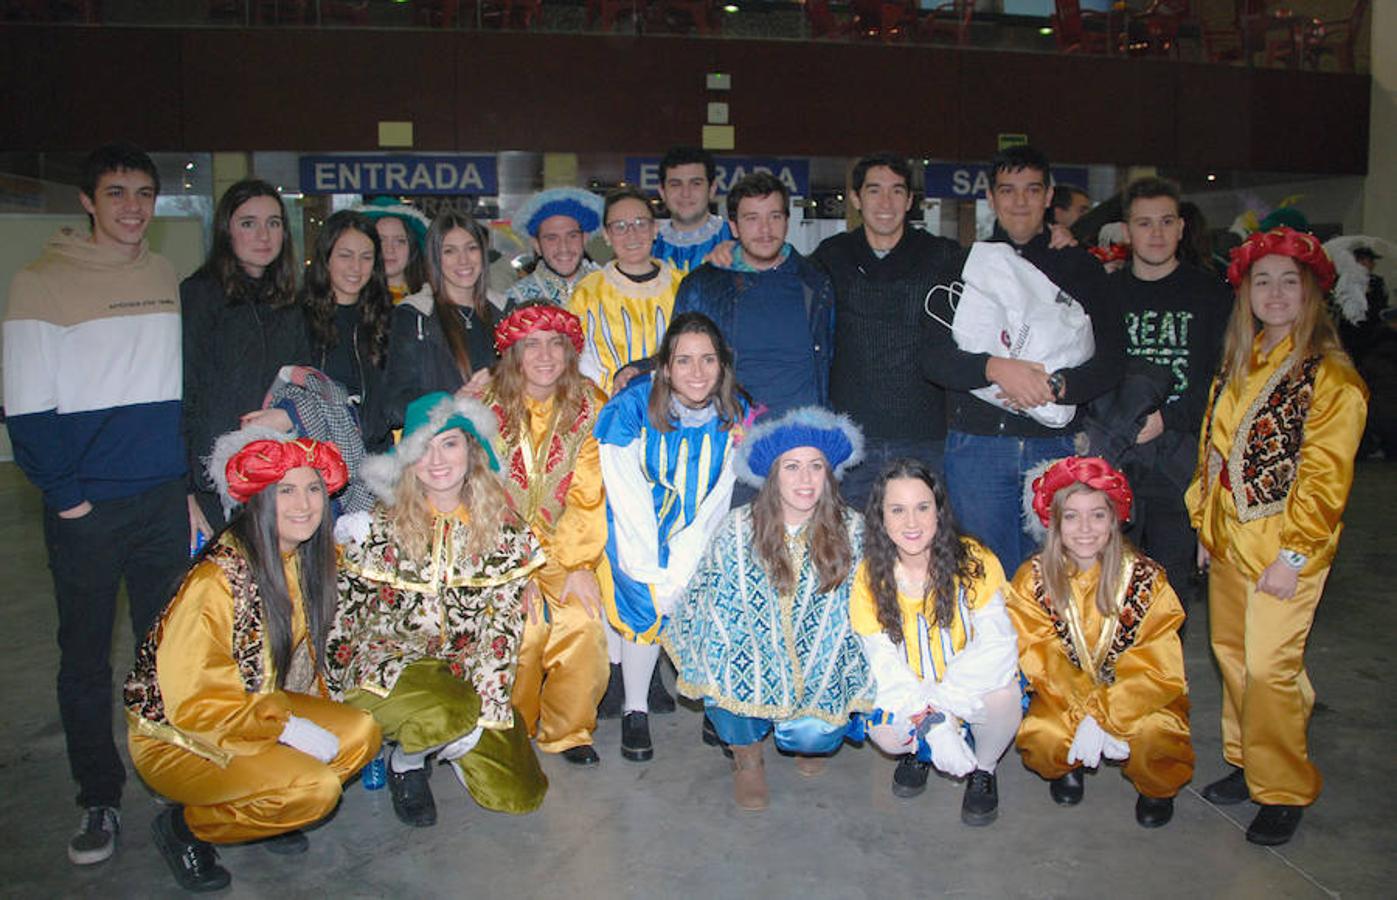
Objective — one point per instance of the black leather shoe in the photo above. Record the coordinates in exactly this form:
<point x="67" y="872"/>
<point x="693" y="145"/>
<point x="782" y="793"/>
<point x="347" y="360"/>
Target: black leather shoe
<point x="1068" y="790"/>
<point x="635" y="737"/>
<point x="1274" y="824"/>
<point x="610" y="706"/>
<point x="412" y="797"/>
<point x="1153" y="812"/>
<point x="288" y="843"/>
<point x="583" y="755"/>
<point x="658" y="698"/>
<point x="980" y="805"/>
<point x="193" y="862"/>
<point x="909" y="778"/>
<point x="1229" y="790"/>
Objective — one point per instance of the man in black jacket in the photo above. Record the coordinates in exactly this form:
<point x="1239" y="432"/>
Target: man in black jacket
<point x="882" y="272"/>
<point x="1175" y="316"/>
<point x="989" y="450"/>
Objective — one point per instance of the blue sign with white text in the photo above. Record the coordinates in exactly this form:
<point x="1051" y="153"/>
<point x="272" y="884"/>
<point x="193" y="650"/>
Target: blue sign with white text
<point x="971" y="181"/>
<point x="402" y="174"/>
<point x="644" y="172"/>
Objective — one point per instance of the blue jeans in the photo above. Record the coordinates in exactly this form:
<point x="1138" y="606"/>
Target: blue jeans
<point x="877" y="453"/>
<point x="985" y="481"/>
<point x="808" y="736"/>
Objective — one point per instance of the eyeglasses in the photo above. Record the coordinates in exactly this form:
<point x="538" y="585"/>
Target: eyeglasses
<point x="622" y="226"/>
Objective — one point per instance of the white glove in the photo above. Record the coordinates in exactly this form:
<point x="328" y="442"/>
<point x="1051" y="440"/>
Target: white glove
<point x="1115" y="748"/>
<point x="949" y="752"/>
<point x="352" y="528"/>
<point x="1087" y="743"/>
<point x="963" y="705"/>
<point x="309" y="738"/>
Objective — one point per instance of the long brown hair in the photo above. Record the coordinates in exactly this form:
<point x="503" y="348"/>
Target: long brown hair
<point x="826" y="535"/>
<point x="1058" y="567"/>
<point x="277" y="285"/>
<point x="510" y="388"/>
<point x="448" y="317"/>
<point x="317" y="296"/>
<point x="727" y="395"/>
<point x="950" y="564"/>
<point x="1313" y="333"/>
<point x="487" y="508"/>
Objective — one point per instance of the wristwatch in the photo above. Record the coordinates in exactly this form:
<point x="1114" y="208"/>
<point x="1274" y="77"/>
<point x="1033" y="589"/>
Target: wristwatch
<point x="1057" y="383"/>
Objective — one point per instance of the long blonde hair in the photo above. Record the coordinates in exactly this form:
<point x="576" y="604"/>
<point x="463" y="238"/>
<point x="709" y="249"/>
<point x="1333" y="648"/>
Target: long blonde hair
<point x="1058" y="567"/>
<point x="510" y="388"/>
<point x="487" y="508"/>
<point x="1313" y="333"/>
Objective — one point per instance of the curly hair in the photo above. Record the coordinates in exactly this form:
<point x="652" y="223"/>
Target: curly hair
<point x="487" y="508"/>
<point x="950" y="564"/>
<point x="318" y="297"/>
<point x="508" y="387"/>
<point x="828" y="538"/>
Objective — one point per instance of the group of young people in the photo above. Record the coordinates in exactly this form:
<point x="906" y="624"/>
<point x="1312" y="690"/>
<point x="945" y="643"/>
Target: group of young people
<point x="555" y="485"/>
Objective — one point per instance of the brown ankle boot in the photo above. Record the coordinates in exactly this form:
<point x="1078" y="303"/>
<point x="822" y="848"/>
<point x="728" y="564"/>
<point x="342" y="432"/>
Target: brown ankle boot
<point x="810" y="766"/>
<point x="749" y="777"/>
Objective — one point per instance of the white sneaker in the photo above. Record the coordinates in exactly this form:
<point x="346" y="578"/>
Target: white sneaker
<point x="95" y="840"/>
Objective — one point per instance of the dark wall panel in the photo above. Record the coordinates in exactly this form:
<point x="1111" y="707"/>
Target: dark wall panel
<point x="317" y="90"/>
<point x="322" y="90"/>
<point x="71" y="88"/>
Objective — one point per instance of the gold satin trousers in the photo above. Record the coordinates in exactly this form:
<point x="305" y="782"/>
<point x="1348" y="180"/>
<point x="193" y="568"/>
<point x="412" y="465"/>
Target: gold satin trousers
<point x="261" y="794"/>
<point x="562" y="674"/>
<point x="1259" y="641"/>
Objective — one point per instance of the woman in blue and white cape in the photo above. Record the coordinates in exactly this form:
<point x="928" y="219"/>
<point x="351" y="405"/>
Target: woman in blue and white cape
<point x="762" y="634"/>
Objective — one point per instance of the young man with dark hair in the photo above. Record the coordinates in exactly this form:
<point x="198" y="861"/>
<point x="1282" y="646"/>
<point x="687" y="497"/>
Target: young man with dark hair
<point x="1070" y="203"/>
<point x="882" y="272"/>
<point x="1175" y="317"/>
<point x="92" y="398"/>
<point x="774" y="307"/>
<point x="688" y="184"/>
<point x="989" y="450"/>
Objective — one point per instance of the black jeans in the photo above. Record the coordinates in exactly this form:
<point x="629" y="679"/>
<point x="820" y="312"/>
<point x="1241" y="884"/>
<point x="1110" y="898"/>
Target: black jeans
<point x="143" y="539"/>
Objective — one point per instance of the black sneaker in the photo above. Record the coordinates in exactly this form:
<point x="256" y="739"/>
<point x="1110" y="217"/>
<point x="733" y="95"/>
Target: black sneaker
<point x="95" y="840"/>
<point x="1228" y="790"/>
<point x="610" y="706"/>
<point x="1274" y="824"/>
<point x="909" y="778"/>
<point x="635" y="737"/>
<point x="1068" y="790"/>
<point x="980" y="806"/>
<point x="288" y="843"/>
<point x="193" y="862"/>
<point x="583" y="755"/>
<point x="658" y="698"/>
<point x="412" y="797"/>
<point x="1153" y="812"/>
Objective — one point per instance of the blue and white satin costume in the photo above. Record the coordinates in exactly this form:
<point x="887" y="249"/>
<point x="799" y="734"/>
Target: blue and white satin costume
<point x="666" y="494"/>
<point x="761" y="661"/>
<point x="685" y="250"/>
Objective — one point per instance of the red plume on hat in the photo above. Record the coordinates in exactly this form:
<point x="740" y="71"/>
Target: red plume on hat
<point x="532" y="317"/>
<point x="1094" y="472"/>
<point x="1299" y="246"/>
<point x="265" y="462"/>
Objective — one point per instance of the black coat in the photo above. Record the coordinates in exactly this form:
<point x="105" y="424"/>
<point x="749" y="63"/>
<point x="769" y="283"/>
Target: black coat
<point x="419" y="357"/>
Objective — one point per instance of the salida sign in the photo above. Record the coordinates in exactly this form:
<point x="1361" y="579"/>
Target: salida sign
<point x="420" y="175"/>
<point x="961" y="182"/>
<point x="644" y="172"/>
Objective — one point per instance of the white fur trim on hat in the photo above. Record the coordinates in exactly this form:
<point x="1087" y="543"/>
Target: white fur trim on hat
<point x="803" y="420"/>
<point x="228" y="446"/>
<point x="381" y="471"/>
<point x="1031" y="523"/>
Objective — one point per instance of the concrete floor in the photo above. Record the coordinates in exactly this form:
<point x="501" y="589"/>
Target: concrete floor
<point x="669" y="828"/>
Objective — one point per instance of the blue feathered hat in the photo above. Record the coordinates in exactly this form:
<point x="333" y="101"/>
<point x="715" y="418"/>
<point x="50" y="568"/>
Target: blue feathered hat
<point x="584" y="207"/>
<point x="834" y="435"/>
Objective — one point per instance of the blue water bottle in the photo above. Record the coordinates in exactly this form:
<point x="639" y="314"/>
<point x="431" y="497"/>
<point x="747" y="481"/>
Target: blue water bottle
<point x="375" y="774"/>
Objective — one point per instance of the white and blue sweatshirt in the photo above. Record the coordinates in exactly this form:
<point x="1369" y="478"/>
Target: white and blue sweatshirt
<point x="92" y="371"/>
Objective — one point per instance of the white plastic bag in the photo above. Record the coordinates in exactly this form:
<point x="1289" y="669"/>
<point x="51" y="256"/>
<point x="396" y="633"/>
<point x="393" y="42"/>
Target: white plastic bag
<point x="1006" y="307"/>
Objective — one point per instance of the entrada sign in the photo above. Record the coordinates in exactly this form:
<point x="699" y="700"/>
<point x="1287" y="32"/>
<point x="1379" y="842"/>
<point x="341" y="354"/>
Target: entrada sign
<point x="404" y="174"/>
<point x="644" y="172"/>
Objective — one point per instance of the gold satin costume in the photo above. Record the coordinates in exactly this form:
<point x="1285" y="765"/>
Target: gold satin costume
<point x="622" y="320"/>
<point x="218" y="754"/>
<point x="563" y="665"/>
<point x="1146" y="705"/>
<point x="1259" y="640"/>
